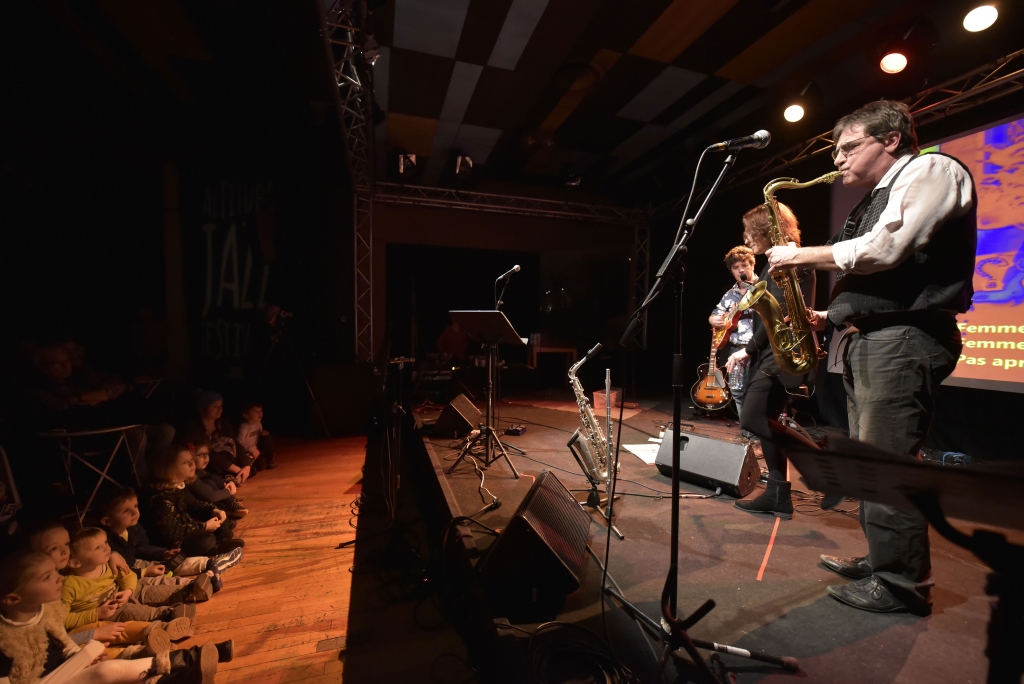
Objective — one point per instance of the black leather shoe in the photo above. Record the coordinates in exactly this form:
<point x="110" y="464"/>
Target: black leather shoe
<point x="854" y="568"/>
<point x="872" y="595"/>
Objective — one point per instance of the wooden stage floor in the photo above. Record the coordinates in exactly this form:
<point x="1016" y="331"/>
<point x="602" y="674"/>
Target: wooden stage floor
<point x="286" y="605"/>
<point x="776" y="602"/>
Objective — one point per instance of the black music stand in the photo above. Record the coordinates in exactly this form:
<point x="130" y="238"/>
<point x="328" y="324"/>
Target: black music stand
<point x="986" y="495"/>
<point x="490" y="328"/>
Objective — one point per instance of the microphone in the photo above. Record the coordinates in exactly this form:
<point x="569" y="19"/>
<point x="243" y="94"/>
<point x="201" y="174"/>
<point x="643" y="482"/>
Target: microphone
<point x="508" y="273"/>
<point x="757" y="140"/>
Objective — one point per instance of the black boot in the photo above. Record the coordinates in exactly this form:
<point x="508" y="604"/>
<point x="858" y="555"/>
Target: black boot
<point x="186" y="657"/>
<point x="775" y="500"/>
<point x="201" y="668"/>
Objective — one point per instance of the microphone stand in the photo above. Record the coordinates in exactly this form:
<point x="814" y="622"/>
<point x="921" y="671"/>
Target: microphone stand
<point x="498" y="301"/>
<point x="671" y="629"/>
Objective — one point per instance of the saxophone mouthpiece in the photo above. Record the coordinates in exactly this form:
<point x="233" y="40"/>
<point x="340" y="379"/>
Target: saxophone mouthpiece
<point x="597" y="348"/>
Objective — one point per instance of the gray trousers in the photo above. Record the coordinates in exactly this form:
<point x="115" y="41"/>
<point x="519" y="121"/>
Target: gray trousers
<point x="891" y="376"/>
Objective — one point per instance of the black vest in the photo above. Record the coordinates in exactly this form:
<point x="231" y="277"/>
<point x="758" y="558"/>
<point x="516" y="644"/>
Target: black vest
<point x="939" y="276"/>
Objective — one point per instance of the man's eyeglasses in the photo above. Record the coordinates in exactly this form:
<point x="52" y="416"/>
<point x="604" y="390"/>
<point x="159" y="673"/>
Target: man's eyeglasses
<point x="202" y="453"/>
<point x="847" y="148"/>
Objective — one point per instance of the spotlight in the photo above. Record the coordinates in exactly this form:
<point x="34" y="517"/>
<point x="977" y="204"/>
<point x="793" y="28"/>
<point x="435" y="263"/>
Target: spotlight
<point x="914" y="44"/>
<point x="893" y="63"/>
<point x="463" y="166"/>
<point x="793" y="113"/>
<point x="980" y="18"/>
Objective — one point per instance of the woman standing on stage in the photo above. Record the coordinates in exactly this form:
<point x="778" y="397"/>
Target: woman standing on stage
<point x="767" y="386"/>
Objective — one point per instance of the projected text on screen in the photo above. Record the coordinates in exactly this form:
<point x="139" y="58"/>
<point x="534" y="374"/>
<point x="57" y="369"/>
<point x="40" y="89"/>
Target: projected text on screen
<point x="993" y="329"/>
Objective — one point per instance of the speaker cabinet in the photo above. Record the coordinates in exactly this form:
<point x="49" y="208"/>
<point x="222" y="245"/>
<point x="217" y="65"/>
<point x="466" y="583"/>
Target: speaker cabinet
<point x="539" y="557"/>
<point x="458" y="418"/>
<point x="710" y="463"/>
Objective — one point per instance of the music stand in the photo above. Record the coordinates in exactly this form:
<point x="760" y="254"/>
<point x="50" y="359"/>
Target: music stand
<point x="979" y="494"/>
<point x="490" y="328"/>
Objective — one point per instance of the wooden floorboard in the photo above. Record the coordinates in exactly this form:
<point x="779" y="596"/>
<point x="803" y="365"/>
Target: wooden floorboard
<point x="286" y="605"/>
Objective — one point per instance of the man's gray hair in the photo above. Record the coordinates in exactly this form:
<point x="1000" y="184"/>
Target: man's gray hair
<point x="879" y="119"/>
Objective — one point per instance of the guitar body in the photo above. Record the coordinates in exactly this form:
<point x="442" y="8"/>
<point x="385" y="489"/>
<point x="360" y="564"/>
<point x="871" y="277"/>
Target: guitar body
<point x="711" y="391"/>
<point x="720" y="336"/>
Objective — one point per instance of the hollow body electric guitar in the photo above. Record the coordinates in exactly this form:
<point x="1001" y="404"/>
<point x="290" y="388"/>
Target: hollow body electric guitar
<point x="711" y="391"/>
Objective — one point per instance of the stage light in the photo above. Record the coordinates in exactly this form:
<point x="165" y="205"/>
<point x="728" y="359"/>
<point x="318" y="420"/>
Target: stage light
<point x="893" y="63"/>
<point x="463" y="166"/>
<point x="980" y="18"/>
<point x="793" y="113"/>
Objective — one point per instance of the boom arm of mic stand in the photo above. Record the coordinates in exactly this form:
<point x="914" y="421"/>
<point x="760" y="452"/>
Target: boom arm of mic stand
<point x="499" y="301"/>
<point x="675" y="254"/>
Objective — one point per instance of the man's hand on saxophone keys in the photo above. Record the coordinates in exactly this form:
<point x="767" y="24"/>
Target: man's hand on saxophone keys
<point x="781" y="257"/>
<point x="817" y="319"/>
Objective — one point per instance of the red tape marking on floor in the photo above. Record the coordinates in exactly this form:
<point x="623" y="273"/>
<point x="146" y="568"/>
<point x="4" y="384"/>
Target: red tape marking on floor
<point x="768" y="551"/>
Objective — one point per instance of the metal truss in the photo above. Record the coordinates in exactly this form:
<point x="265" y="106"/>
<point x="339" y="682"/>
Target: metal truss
<point x="362" y="206"/>
<point x="420" y="196"/>
<point x="343" y="41"/>
<point x="984" y="84"/>
<point x="641" y="275"/>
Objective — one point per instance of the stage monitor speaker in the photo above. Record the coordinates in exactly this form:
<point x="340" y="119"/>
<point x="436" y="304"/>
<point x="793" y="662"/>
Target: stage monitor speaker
<point x="458" y="418"/>
<point x="539" y="556"/>
<point x="711" y="463"/>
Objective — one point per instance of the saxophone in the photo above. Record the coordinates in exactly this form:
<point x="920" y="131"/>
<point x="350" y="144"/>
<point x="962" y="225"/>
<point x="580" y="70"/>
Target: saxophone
<point x="590" y="447"/>
<point x="794" y="344"/>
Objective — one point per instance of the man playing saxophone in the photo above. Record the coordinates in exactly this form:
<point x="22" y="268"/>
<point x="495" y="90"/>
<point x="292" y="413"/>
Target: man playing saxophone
<point x="906" y="261"/>
<point x="767" y="385"/>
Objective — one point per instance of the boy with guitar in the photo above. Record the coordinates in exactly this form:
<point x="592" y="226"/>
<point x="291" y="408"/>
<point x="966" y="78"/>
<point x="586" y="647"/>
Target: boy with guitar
<point x="737" y="325"/>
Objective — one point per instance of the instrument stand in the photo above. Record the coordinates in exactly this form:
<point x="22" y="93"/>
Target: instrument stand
<point x="594" y="500"/>
<point x="671" y="631"/>
<point x="490" y="328"/>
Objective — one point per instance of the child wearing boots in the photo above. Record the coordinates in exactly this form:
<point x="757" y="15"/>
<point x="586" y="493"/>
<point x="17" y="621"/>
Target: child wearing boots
<point x="92" y="592"/>
<point x="35" y="647"/>
<point x="192" y="580"/>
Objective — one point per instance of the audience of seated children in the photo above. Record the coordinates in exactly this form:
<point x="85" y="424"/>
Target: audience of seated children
<point x="180" y="520"/>
<point x="211" y="487"/>
<point x="103" y="605"/>
<point x="165" y="575"/>
<point x="36" y="648"/>
<point x="253" y="439"/>
<point x="226" y="459"/>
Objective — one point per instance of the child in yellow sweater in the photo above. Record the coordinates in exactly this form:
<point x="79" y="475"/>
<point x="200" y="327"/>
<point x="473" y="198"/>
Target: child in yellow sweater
<point x="34" y="645"/>
<point x="93" y="592"/>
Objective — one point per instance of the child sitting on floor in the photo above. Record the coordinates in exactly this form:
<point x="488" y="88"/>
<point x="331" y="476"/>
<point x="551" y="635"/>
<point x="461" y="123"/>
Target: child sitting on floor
<point x="92" y="592"/>
<point x="211" y="487"/>
<point x="226" y="459"/>
<point x="180" y="520"/>
<point x="192" y="580"/>
<point x="34" y="645"/>
<point x="123" y="639"/>
<point x="253" y="439"/>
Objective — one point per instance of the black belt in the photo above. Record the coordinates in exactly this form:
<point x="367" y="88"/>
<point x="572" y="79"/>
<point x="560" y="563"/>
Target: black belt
<point x="934" y="322"/>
